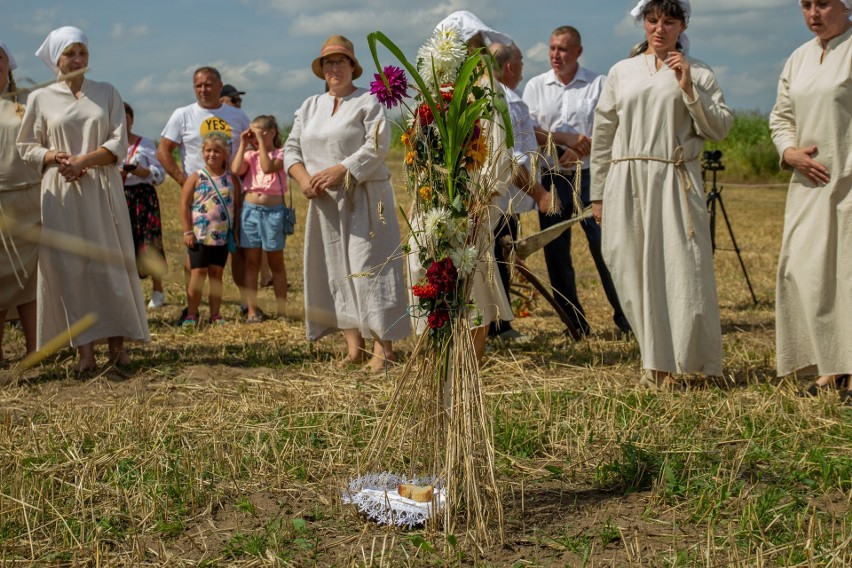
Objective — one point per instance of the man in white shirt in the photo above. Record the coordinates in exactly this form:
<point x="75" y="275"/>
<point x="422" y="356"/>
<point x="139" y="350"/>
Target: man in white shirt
<point x="189" y="125"/>
<point x="525" y="191"/>
<point x="562" y="103"/>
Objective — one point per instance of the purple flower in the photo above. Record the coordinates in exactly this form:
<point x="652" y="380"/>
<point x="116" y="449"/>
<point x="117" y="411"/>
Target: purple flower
<point x="392" y="93"/>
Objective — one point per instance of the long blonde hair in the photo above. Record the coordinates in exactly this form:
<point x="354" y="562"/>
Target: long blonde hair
<point x="13" y="89"/>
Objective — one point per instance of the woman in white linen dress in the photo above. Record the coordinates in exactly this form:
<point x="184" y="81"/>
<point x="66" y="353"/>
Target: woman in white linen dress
<point x="655" y="113"/>
<point x="75" y="131"/>
<point x="812" y="129"/>
<point x="336" y="151"/>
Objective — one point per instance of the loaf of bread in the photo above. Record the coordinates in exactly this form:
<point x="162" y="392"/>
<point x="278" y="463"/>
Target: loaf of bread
<point x="416" y="492"/>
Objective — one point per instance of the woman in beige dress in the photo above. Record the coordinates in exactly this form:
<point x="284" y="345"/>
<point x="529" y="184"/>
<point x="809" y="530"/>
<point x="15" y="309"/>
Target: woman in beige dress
<point x="19" y="204"/>
<point x="655" y="113"/>
<point x="336" y="152"/>
<point x="74" y="130"/>
<point x="812" y="129"/>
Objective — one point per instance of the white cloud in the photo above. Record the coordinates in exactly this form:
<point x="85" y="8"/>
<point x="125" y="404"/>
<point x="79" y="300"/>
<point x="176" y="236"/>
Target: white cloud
<point x="538" y="53"/>
<point x="119" y="32"/>
<point x="295" y="79"/>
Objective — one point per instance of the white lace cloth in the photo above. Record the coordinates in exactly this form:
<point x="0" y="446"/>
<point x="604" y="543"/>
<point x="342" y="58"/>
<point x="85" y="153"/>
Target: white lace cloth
<point x="377" y="496"/>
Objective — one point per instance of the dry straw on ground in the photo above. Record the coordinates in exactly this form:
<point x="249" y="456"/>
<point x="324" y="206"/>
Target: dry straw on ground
<point x="228" y="446"/>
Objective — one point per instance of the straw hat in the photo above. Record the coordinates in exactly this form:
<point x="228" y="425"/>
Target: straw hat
<point x="333" y="45"/>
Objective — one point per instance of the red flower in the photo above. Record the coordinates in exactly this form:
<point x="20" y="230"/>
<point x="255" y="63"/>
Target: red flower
<point x="424" y="115"/>
<point x="439" y="318"/>
<point x="424" y="290"/>
<point x="442" y="274"/>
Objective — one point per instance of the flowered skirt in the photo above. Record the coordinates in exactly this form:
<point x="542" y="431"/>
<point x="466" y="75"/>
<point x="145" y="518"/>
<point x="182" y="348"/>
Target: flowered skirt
<point x="144" y="208"/>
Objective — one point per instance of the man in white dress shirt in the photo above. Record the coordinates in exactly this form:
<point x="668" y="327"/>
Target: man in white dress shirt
<point x="562" y="103"/>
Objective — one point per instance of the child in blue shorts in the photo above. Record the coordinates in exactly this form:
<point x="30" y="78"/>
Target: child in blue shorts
<point x="259" y="161"/>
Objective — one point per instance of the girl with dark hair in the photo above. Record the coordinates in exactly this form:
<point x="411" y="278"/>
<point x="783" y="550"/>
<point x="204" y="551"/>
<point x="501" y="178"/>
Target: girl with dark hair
<point x="655" y="113"/>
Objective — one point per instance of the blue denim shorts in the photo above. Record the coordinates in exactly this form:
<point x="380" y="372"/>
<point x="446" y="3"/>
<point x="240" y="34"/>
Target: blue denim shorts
<point x="262" y="226"/>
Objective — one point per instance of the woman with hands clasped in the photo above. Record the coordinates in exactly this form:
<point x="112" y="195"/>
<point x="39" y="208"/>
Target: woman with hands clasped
<point x="656" y="111"/>
<point x="336" y="152"/>
<point x="812" y="129"/>
<point x="75" y="131"/>
<point x="259" y="161"/>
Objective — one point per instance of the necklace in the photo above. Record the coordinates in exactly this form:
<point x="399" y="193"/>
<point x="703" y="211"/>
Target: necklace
<point x="654" y="71"/>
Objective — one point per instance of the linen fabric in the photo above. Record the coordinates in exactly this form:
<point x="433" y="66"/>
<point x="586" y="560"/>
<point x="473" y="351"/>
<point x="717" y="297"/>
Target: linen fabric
<point x="663" y="272"/>
<point x="190" y="124"/>
<point x="564" y="108"/>
<point x="469" y="25"/>
<point x="56" y="42"/>
<point x="814" y="287"/>
<point x="346" y="237"/>
<point x="92" y="208"/>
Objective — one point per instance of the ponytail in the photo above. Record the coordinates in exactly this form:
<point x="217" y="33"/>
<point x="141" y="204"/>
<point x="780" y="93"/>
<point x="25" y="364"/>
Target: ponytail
<point x="13" y="89"/>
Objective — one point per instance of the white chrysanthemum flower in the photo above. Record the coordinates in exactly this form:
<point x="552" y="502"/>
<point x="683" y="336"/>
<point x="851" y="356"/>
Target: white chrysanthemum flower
<point x="460" y="231"/>
<point x="435" y="221"/>
<point x="464" y="259"/>
<point x="442" y="55"/>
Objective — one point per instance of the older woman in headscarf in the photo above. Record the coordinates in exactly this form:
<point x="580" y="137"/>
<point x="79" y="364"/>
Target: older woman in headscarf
<point x="336" y="152"/>
<point x="654" y="115"/>
<point x="74" y="130"/>
<point x="812" y="129"/>
<point x="19" y="207"/>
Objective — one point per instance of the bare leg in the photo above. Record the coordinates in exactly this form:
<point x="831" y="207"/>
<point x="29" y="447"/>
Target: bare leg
<point x="252" y="267"/>
<point x="156" y="284"/>
<point x="266" y="278"/>
<point x="382" y="355"/>
<point x="279" y="280"/>
<point x="826" y="380"/>
<point x="28" y="313"/>
<point x="195" y="290"/>
<point x="238" y="273"/>
<point x="355" y="345"/>
<point x="215" y="296"/>
<point x="117" y="355"/>
<point x="86" y="358"/>
<point x="480" y="335"/>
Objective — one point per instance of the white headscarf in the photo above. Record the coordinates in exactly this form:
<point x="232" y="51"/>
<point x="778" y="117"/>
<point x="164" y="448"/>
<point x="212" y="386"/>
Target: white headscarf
<point x="847" y="3"/>
<point x="12" y="64"/>
<point x="636" y="13"/>
<point x="56" y="42"/>
<point x="469" y="25"/>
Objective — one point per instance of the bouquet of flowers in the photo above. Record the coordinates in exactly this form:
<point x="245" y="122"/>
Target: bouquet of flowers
<point x="447" y="147"/>
<point x="455" y="130"/>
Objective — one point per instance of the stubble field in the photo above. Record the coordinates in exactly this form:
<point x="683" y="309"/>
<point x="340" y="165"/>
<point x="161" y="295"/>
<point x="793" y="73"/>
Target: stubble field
<point x="229" y="446"/>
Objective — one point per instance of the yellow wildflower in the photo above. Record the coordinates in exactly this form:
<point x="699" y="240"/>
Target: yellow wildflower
<point x="409" y="158"/>
<point x="476" y="154"/>
<point x="425" y="193"/>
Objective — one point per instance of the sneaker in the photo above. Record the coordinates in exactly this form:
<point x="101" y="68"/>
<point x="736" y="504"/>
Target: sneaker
<point x="157" y="299"/>
<point x="217" y="320"/>
<point x="244" y="310"/>
<point x="189" y="322"/>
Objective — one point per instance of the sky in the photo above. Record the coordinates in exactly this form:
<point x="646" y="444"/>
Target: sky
<point x="149" y="49"/>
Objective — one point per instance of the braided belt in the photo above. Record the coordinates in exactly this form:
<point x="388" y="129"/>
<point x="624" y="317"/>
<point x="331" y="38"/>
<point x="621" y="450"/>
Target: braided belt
<point x="679" y="163"/>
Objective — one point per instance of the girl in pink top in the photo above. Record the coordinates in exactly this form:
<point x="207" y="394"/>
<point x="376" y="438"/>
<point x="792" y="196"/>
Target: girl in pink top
<point x="259" y="161"/>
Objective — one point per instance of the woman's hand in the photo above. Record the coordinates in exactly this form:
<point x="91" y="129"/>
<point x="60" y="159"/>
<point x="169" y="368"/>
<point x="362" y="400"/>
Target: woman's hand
<point x="570" y="157"/>
<point x="189" y="239"/>
<point x="597" y="211"/>
<point x="328" y="178"/>
<point x="72" y="167"/>
<point x="683" y="72"/>
<point x="800" y="160"/>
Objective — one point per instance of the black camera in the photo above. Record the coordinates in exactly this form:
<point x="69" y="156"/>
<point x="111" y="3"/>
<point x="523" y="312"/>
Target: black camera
<point x="713" y="161"/>
<point x="128" y="167"/>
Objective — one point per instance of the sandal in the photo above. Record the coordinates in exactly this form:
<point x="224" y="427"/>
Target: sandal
<point x="256" y="318"/>
<point x="814" y="389"/>
<point x="217" y="320"/>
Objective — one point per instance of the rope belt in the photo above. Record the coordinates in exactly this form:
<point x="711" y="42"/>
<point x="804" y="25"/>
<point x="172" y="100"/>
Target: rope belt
<point x="679" y="163"/>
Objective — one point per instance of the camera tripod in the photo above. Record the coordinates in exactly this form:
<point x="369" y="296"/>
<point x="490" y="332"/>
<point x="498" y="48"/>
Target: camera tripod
<point x="713" y="164"/>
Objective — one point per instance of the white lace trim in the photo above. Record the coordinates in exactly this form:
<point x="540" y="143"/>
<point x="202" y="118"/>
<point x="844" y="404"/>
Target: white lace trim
<point x="377" y="496"/>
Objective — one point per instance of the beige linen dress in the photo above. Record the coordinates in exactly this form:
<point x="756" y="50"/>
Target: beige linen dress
<point x="20" y="203"/>
<point x="92" y="208"/>
<point x="353" y="269"/>
<point x="656" y="231"/>
<point x="814" y="289"/>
